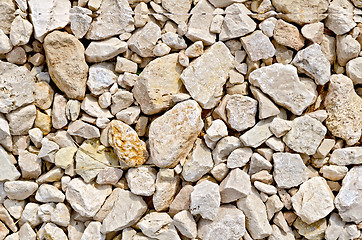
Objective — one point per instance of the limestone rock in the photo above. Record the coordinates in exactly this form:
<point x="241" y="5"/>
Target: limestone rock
<point x="314" y="231"/>
<point x="287" y="34"/>
<point x="205" y="200"/>
<point x="349" y="201"/>
<point x="29" y="164"/>
<point x="43" y="95"/>
<point x="314" y="200"/>
<point x="236" y="185"/>
<point x="52" y="231"/>
<point x="241" y="111"/>
<point x="48" y="16"/>
<point x="346" y="156"/>
<point x="266" y="107"/>
<point x="93" y="232"/>
<point x="289" y="170"/>
<point x="168" y="144"/>
<point x="354" y="70"/>
<point x="313" y="63"/>
<point x="185" y="223"/>
<point x="49" y="193"/>
<point x="130" y="150"/>
<point x="239" y="157"/>
<point x="156" y="84"/>
<point x="5" y="43"/>
<point x="333" y="172"/>
<point x="17" y="87"/>
<point x="158" y="225"/>
<point x="127" y="209"/>
<point x="166" y="186"/>
<point x="204" y="79"/>
<point x="21" y="120"/>
<point x="80" y="21"/>
<point x="302" y="12"/>
<point x="7" y="15"/>
<point x="59" y="117"/>
<point x="335" y="227"/>
<point x="340" y="17"/>
<point x="344" y="108"/>
<point x="20" y="190"/>
<point x="141" y="180"/>
<point x="5" y="136"/>
<point x="115" y="17"/>
<point x="178" y="9"/>
<point x="258" y="134"/>
<point x="144" y="40"/>
<point x="258" y="46"/>
<point x="99" y="51"/>
<point x="101" y="77"/>
<point x="224" y="147"/>
<point x="294" y="95"/>
<point x="66" y="63"/>
<point x="84" y="130"/>
<point x="21" y="30"/>
<point x="91" y="107"/>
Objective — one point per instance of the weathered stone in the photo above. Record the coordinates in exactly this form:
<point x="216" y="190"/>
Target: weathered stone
<point x="205" y="200"/>
<point x="82" y="129"/>
<point x="333" y="172"/>
<point x="348" y="201"/>
<point x="26" y="232"/>
<point x="258" y="46"/>
<point x="182" y="200"/>
<point x="29" y="164"/>
<point x="313" y="63"/>
<point x="228" y="223"/>
<point x="66" y="63"/>
<point x="195" y="50"/>
<point x="64" y="157"/>
<point x="335" y="227"/>
<point x="80" y="21"/>
<point x="178" y="9"/>
<point x="313" y="32"/>
<point x="127" y="209"/>
<point x="354" y="70"/>
<point x="289" y="170"/>
<point x="93" y="232"/>
<point x="302" y="12"/>
<point x="346" y="156"/>
<point x="30" y="214"/>
<point x="168" y="144"/>
<point x="258" y="163"/>
<point x="344" y="108"/>
<point x="266" y="107"/>
<point x="17" y="87"/>
<point x="241" y="111"/>
<point x="21" y="30"/>
<point x="109" y="175"/>
<point x="340" y="17"/>
<point x="288" y="35"/>
<point x="258" y="134"/>
<point x="125" y="65"/>
<point x="5" y="136"/>
<point x="224" y="147"/>
<point x="115" y="17"/>
<point x="306" y="135"/>
<point x="43" y="95"/>
<point x="314" y="231"/>
<point x="52" y="231"/>
<point x="5" y="43"/>
<point x="185" y="223"/>
<point x="60" y="215"/>
<point x="21" y="120"/>
<point x="48" y="16"/>
<point x="144" y="40"/>
<point x="166" y="186"/>
<point x="120" y="100"/>
<point x="174" y="41"/>
<point x="20" y="190"/>
<point x="101" y="78"/>
<point x="294" y="95"/>
<point x="49" y="193"/>
<point x="236" y="185"/>
<point x="158" y="225"/>
<point x="204" y="80"/>
<point x="43" y="122"/>
<point x="324" y="148"/>
<point x="7" y="15"/>
<point x="141" y="180"/>
<point x="236" y="23"/>
<point x="159" y="80"/>
<point x="91" y="107"/>
<point x="314" y="200"/>
<point x="239" y="157"/>
<point x="99" y="51"/>
<point x="219" y="171"/>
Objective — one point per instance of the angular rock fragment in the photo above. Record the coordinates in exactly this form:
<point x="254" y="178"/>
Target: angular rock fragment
<point x="166" y="187"/>
<point x="258" y="134"/>
<point x="354" y="70"/>
<point x="49" y="193"/>
<point x="340" y="17"/>
<point x="205" y="200"/>
<point x="158" y="225"/>
<point x="258" y="46"/>
<point x="141" y="180"/>
<point x="101" y="77"/>
<point x="7" y="15"/>
<point x="288" y="35"/>
<point x="144" y="40"/>
<point x="21" y="120"/>
<point x="236" y="185"/>
<point x="347" y="48"/>
<point x="99" y="51"/>
<point x="346" y="156"/>
<point x="21" y="30"/>
<point x="20" y="190"/>
<point x="80" y="21"/>
<point x="314" y="231"/>
<point x="266" y="107"/>
<point x="241" y="111"/>
<point x="84" y="130"/>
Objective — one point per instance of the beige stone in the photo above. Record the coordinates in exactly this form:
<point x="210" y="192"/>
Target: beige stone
<point x="7" y="15"/>
<point x="288" y="35"/>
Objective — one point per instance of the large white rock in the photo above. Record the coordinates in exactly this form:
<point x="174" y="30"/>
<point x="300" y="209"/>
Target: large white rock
<point x="17" y="87"/>
<point x="115" y="17"/>
<point x="158" y="225"/>
<point x="346" y="156"/>
<point x="306" y="135"/>
<point x="127" y="209"/>
<point x="229" y="223"/>
<point x="101" y="77"/>
<point x="314" y="200"/>
<point x="205" y="77"/>
<point x="241" y="112"/>
<point x="205" y="200"/>
<point x="282" y="84"/>
<point x="141" y="180"/>
<point x="289" y="170"/>
<point x="20" y="190"/>
<point x="236" y="185"/>
<point x="172" y="135"/>
<point x="21" y="30"/>
<point x="48" y="15"/>
<point x="349" y="200"/>
<point x="144" y="40"/>
<point x="156" y="84"/>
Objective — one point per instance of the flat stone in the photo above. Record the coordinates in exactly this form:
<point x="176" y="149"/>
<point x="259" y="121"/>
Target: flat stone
<point x="295" y="94"/>
<point x="20" y="190"/>
<point x="166" y="186"/>
<point x="348" y="201"/>
<point x="144" y="39"/>
<point x="258" y="46"/>
<point x="168" y="144"/>
<point x="115" y="17"/>
<point x="346" y="156"/>
<point x="130" y="150"/>
<point x="344" y="108"/>
<point x="182" y="200"/>
<point x="266" y="107"/>
<point x="66" y="63"/>
<point x="205" y="200"/>
<point x="99" y="51"/>
<point x="229" y="223"/>
<point x="204" y="79"/>
<point x="156" y="84"/>
<point x="313" y="63"/>
<point x="314" y="200"/>
<point x="21" y="120"/>
<point x="21" y="30"/>
<point x="49" y="193"/>
<point x="127" y="209"/>
<point x="333" y="172"/>
<point x="306" y="135"/>
<point x="302" y="12"/>
<point x="178" y="9"/>
<point x="340" y="17"/>
<point x="258" y="134"/>
<point x="237" y="22"/>
<point x="91" y="107"/>
<point x="288" y="35"/>
<point x="101" y="77"/>
<point x="258" y="163"/>
<point x="7" y="15"/>
<point x="158" y="225"/>
<point x="141" y="180"/>
<point x="86" y="198"/>
<point x="84" y="130"/>
<point x="17" y="87"/>
<point x="48" y="16"/>
<point x="125" y="65"/>
<point x="236" y="185"/>
<point x="314" y="231"/>
<point x="59" y="118"/>
<point x="289" y="170"/>
<point x="354" y="70"/>
<point x="80" y="21"/>
<point x="241" y="112"/>
<point x="64" y="157"/>
<point x="347" y="48"/>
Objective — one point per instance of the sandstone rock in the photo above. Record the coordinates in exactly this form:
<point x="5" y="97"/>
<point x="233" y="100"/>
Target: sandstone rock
<point x="313" y="63"/>
<point x="115" y="17"/>
<point x="288" y="35"/>
<point x="80" y="21"/>
<point x="7" y="15"/>
<point x="141" y="180"/>
<point x="236" y="23"/>
<point x="203" y="79"/>
<point x="127" y="210"/>
<point x="302" y="12"/>
<point x="205" y="200"/>
<point x="99" y="51"/>
<point x="159" y="80"/>
<point x="228" y="223"/>
<point x="158" y="225"/>
<point x="49" y="193"/>
<point x="17" y="87"/>
<point x="241" y="111"/>
<point x="348" y="201"/>
<point x="258" y="46"/>
<point x="258" y="134"/>
<point x="346" y="156"/>
<point x="340" y="17"/>
<point x="66" y="63"/>
<point x="144" y="40"/>
<point x="101" y="77"/>
<point x="48" y="16"/>
<point x="310" y="133"/>
<point x="344" y="108"/>
<point x="314" y="200"/>
<point x="236" y="185"/>
<point x="21" y="120"/>
<point x="168" y="144"/>
<point x="295" y="95"/>
<point x="21" y="30"/>
<point x="20" y="190"/>
<point x="353" y="69"/>
<point x="289" y="170"/>
<point x="86" y="198"/>
<point x="43" y="122"/>
<point x="166" y="187"/>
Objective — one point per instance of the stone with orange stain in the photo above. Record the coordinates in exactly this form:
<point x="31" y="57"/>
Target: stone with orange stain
<point x="130" y="150"/>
